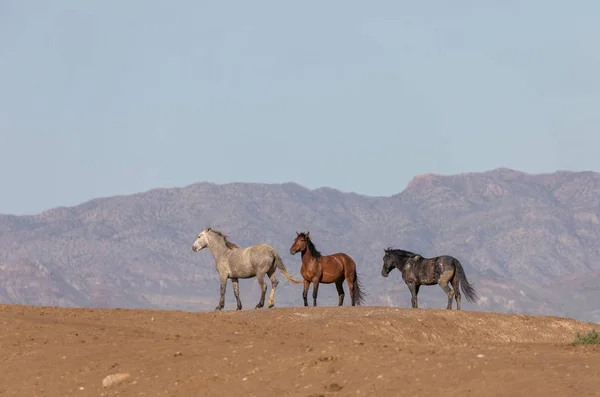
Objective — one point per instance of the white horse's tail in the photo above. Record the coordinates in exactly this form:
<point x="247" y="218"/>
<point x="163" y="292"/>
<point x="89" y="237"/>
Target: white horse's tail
<point x="283" y="270"/>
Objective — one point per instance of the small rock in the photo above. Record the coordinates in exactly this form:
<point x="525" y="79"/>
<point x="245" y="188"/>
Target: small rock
<point x="113" y="379"/>
<point x="81" y="388"/>
<point x="480" y="356"/>
<point x="177" y="354"/>
<point x="334" y="387"/>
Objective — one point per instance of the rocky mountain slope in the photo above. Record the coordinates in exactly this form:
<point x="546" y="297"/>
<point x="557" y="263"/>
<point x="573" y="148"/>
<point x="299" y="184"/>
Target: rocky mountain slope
<point x="530" y="243"/>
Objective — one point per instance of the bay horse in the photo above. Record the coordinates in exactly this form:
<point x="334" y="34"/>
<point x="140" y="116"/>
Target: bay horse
<point x="326" y="269"/>
<point x="233" y="262"/>
<point x="417" y="270"/>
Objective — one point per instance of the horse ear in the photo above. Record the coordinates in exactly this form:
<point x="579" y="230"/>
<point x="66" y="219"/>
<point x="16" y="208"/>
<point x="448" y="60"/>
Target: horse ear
<point x="418" y="257"/>
<point x="297" y="234"/>
<point x="307" y="234"/>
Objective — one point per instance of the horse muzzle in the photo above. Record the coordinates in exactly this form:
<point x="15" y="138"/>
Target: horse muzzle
<point x="384" y="273"/>
<point x="293" y="251"/>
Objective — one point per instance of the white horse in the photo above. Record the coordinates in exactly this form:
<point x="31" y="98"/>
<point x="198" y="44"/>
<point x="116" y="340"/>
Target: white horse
<point x="234" y="262"/>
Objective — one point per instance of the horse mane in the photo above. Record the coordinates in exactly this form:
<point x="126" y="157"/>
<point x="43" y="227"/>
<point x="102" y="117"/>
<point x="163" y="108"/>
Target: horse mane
<point x="228" y="243"/>
<point x="311" y="247"/>
<point x="401" y="253"/>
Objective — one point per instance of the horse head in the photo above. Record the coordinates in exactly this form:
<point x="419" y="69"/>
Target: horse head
<point x="201" y="241"/>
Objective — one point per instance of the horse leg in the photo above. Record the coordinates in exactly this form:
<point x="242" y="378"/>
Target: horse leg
<point x="350" y="275"/>
<point x="236" y="292"/>
<point x="448" y="291"/>
<point x="263" y="290"/>
<point x="315" y="291"/>
<point x="350" y="282"/>
<point x="305" y="292"/>
<point x="340" y="289"/>
<point x="274" y="282"/>
<point x="223" y="282"/>
<point x="414" y="290"/>
<point x="417" y="287"/>
<point x="456" y="287"/>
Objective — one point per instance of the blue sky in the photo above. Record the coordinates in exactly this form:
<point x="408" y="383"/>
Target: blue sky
<point x="108" y="97"/>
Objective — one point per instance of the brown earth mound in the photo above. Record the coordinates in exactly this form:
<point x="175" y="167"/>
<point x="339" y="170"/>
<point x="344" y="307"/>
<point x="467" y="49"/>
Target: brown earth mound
<point x="323" y="351"/>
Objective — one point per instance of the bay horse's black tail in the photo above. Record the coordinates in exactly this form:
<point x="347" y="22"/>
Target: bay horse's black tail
<point x="466" y="288"/>
<point x="359" y="295"/>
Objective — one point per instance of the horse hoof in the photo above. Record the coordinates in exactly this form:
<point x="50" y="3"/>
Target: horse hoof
<point x="272" y="305"/>
<point x="217" y="309"/>
<point x="239" y="308"/>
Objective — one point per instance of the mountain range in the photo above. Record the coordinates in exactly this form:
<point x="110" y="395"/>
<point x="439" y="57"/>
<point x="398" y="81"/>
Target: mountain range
<point x="529" y="243"/>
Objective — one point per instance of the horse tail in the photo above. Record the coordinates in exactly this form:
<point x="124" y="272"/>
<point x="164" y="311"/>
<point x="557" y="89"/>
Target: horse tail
<point x="283" y="270"/>
<point x="466" y="288"/>
<point x="359" y="295"/>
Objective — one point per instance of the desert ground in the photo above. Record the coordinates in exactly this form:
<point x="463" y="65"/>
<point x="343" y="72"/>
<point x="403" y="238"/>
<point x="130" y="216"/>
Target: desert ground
<point x="313" y="351"/>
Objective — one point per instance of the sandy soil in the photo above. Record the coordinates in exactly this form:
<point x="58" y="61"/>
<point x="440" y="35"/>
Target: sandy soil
<point x="323" y="351"/>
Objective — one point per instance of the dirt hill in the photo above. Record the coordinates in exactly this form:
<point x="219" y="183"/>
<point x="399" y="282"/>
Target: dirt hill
<point x="323" y="351"/>
<point x="530" y="243"/>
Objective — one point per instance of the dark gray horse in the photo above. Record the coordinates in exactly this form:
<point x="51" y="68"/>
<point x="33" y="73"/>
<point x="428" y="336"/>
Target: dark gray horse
<point x="234" y="262"/>
<point x="417" y="271"/>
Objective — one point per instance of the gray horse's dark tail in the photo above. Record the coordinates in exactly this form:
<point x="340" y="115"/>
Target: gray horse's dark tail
<point x="359" y="295"/>
<point x="466" y="288"/>
<point x="283" y="270"/>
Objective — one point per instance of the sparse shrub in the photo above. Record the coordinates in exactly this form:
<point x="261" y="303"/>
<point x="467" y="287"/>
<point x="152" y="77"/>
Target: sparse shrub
<point x="591" y="338"/>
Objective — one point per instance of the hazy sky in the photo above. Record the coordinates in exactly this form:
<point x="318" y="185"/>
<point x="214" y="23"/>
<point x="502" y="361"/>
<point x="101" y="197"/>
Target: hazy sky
<point x="99" y="98"/>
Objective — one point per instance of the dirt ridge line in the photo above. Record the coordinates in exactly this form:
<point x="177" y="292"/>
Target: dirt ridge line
<point x="371" y="323"/>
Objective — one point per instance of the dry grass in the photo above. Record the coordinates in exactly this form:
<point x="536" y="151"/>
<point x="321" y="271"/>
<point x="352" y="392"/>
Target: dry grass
<point x="590" y="338"/>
